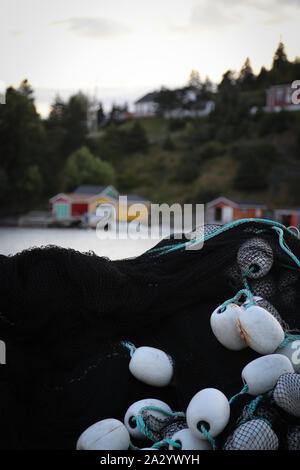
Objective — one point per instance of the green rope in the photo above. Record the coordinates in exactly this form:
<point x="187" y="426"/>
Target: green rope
<point x="142" y="426"/>
<point x="129" y="346"/>
<point x="208" y="436"/>
<point x="236" y="298"/>
<point x="165" y="442"/>
<point x="287" y="339"/>
<point x="252" y="407"/>
<point x="242" y="392"/>
<point x="284" y="247"/>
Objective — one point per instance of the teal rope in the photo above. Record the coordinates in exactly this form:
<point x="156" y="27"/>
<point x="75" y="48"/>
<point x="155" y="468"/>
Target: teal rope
<point x="208" y="436"/>
<point x="287" y="339"/>
<point x="129" y="346"/>
<point x="142" y="426"/>
<point x="284" y="247"/>
<point x="165" y="442"/>
<point x="236" y="298"/>
<point x="242" y="392"/>
<point x="223" y="228"/>
<point x="252" y="407"/>
<point x="245" y="275"/>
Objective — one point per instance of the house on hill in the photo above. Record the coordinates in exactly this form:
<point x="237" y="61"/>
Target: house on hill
<point x="279" y="98"/>
<point x="186" y="104"/>
<point x="146" y="106"/>
<point x="223" y="210"/>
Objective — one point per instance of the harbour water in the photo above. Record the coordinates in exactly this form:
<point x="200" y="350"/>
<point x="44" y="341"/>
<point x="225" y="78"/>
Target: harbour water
<point x="16" y="239"/>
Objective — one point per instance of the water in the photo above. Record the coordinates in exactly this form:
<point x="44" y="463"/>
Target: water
<point x="15" y="239"/>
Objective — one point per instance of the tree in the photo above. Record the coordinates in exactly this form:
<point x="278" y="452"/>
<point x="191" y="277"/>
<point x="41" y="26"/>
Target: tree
<point x="23" y="144"/>
<point x="195" y="80"/>
<point x="280" y="57"/>
<point x="75" y="123"/>
<point x="82" y="167"/>
<point x="166" y="100"/>
<point x="25" y="89"/>
<point x="136" y="139"/>
<point x="246" y="78"/>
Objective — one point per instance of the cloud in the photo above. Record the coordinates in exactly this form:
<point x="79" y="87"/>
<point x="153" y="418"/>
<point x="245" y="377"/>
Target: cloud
<point x="221" y="14"/>
<point x="16" y="33"/>
<point x="95" y="28"/>
<point x="214" y="15"/>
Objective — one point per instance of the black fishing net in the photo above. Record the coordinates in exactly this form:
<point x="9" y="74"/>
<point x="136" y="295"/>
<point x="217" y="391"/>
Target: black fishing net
<point x="63" y="314"/>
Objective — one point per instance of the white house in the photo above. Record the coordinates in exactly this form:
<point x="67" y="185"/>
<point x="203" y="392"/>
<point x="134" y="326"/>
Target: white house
<point x="146" y="106"/>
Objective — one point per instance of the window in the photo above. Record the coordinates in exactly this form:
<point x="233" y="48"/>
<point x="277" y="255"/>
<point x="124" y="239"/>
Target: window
<point x="218" y="213"/>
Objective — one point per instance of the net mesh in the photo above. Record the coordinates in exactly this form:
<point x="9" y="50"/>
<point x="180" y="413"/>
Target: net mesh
<point x="64" y="313"/>
<point x="256" y="253"/>
<point x="293" y="438"/>
<point x="287" y="393"/>
<point x="253" y="435"/>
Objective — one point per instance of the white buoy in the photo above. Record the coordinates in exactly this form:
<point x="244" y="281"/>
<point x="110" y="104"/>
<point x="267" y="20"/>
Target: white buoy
<point x="130" y="415"/>
<point x="108" y="434"/>
<point x="188" y="441"/>
<point x="224" y="327"/>
<point x="151" y="366"/>
<point x="260" y="330"/>
<point x="292" y="351"/>
<point x="262" y="374"/>
<point x="209" y="408"/>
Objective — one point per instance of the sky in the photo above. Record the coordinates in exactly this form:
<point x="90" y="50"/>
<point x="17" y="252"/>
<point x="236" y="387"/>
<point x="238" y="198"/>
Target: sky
<point x="119" y="50"/>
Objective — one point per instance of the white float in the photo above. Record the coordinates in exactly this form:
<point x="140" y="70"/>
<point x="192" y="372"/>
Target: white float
<point x="209" y="407"/>
<point x="108" y="434"/>
<point x="224" y="327"/>
<point x="136" y="407"/>
<point x="292" y="351"/>
<point x="260" y="330"/>
<point x="151" y="366"/>
<point x="189" y="441"/>
<point x="262" y="374"/>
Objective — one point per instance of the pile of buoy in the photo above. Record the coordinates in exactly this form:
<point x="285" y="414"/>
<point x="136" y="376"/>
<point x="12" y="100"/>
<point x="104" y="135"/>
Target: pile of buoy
<point x="237" y="324"/>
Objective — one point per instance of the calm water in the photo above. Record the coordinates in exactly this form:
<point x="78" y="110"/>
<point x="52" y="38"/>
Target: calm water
<point x="15" y="239"/>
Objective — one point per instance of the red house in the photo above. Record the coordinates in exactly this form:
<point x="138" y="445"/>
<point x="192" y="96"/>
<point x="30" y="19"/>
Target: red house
<point x="223" y="210"/>
<point x="73" y="206"/>
<point x="281" y="97"/>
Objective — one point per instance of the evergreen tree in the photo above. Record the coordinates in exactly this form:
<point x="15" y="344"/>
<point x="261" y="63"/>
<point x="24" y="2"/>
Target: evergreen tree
<point x="280" y="57"/>
<point x="195" y="80"/>
<point x="246" y="78"/>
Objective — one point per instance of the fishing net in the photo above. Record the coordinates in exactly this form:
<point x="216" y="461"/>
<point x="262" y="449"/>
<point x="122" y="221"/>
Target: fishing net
<point x="287" y="393"/>
<point x="64" y="313"/>
<point x="293" y="438"/>
<point x="253" y="435"/>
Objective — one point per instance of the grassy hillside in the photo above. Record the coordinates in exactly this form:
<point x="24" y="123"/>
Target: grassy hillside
<point x="197" y="160"/>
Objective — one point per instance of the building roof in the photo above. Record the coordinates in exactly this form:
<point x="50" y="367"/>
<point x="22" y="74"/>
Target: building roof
<point x="90" y="190"/>
<point x="149" y="97"/>
<point x="245" y="203"/>
<point x="135" y="198"/>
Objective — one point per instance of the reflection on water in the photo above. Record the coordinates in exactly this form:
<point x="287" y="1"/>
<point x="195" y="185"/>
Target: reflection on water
<point x="15" y="239"/>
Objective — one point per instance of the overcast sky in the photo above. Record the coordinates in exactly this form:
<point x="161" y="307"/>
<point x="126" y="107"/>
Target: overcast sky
<point x="126" y="48"/>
